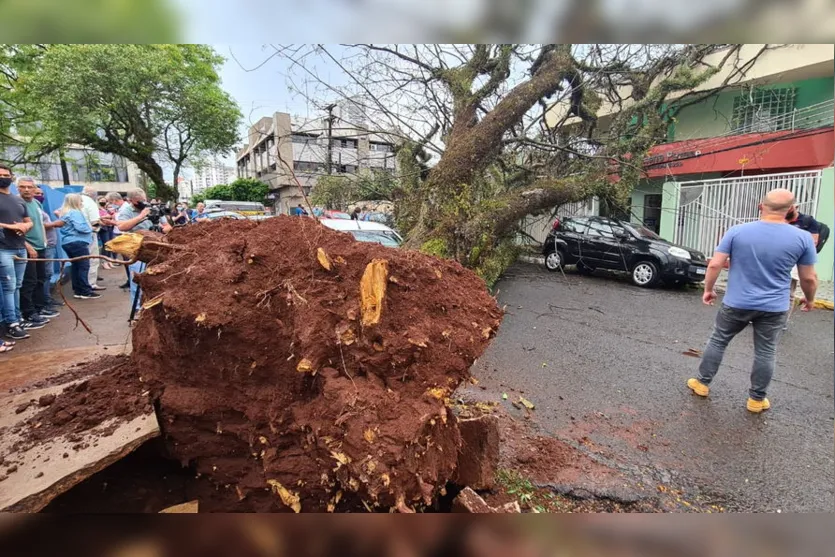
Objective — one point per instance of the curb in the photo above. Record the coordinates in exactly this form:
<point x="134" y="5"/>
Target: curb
<point x="534" y="259"/>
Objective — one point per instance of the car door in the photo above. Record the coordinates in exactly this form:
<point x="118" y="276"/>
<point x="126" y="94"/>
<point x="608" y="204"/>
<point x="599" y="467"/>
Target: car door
<point x="604" y="247"/>
<point x="572" y="232"/>
<point x="622" y="238"/>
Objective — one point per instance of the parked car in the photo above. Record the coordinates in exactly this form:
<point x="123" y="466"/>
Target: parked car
<point x="365" y="231"/>
<point x="214" y="215"/>
<point x="602" y="243"/>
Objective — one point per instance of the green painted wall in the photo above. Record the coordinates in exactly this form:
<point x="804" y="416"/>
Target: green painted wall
<point x="826" y="214"/>
<point x="813" y="91"/>
<point x="712" y="117"/>
<point x="669" y="203"/>
<point x="651" y="186"/>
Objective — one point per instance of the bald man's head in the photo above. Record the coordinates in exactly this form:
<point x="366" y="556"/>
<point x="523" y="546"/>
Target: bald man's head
<point x="778" y="201"/>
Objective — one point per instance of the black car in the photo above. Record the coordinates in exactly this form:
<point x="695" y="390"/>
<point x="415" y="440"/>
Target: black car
<point x="602" y="243"/>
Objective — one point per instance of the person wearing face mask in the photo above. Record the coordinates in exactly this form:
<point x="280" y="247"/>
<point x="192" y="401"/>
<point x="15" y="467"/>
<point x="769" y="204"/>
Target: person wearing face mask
<point x="133" y="217"/>
<point x="14" y="223"/>
<point x="180" y="216"/>
<point x="115" y="202"/>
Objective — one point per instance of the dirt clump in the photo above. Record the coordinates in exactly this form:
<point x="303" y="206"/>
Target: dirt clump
<point x="298" y="369"/>
<point x="106" y="388"/>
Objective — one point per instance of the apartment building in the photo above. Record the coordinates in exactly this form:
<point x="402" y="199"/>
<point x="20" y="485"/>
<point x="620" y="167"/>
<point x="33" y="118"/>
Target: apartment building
<point x="773" y="128"/>
<point x="85" y="167"/>
<point x="340" y="142"/>
<point x="209" y="174"/>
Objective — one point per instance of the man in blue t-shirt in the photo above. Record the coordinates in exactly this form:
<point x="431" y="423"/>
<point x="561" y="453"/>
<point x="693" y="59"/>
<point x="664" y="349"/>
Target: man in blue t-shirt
<point x="762" y="254"/>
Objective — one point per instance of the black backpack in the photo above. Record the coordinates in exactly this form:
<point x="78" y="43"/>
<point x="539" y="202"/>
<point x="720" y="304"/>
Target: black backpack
<point x="823" y="236"/>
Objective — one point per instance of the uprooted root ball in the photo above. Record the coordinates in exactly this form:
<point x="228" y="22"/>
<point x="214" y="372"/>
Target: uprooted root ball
<point x="299" y="369"/>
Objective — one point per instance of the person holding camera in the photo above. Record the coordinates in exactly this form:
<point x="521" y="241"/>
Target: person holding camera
<point x="133" y="216"/>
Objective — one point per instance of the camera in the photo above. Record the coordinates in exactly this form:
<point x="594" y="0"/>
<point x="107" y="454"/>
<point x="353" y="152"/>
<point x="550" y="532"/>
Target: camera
<point x="156" y="212"/>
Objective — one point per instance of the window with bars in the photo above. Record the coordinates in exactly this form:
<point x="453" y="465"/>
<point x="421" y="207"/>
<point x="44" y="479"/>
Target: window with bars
<point x="763" y="110"/>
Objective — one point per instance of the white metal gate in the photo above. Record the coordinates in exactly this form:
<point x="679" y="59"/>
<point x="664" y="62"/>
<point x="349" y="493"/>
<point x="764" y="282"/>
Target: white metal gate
<point x="708" y="208"/>
<point x="538" y="227"/>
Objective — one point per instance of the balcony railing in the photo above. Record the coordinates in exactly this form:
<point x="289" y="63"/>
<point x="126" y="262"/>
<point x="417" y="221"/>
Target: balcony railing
<point x="810" y="117"/>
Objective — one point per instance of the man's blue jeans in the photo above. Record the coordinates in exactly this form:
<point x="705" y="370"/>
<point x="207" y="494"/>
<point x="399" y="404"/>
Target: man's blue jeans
<point x="49" y="253"/>
<point x="11" y="279"/>
<point x="135" y="269"/>
<point x="768" y="327"/>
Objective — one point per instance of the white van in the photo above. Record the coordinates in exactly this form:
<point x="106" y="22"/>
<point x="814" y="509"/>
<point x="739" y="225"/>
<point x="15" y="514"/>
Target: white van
<point x="366" y="231"/>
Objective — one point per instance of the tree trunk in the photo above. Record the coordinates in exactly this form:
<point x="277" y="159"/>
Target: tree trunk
<point x="474" y="149"/>
<point x="154" y="171"/>
<point x="65" y="172"/>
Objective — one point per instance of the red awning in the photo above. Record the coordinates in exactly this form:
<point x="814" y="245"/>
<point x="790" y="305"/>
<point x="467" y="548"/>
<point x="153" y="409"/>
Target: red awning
<point x="783" y="150"/>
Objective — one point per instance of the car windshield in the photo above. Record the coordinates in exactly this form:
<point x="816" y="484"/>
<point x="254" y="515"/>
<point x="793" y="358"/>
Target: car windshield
<point x="643" y="232"/>
<point x="337" y="215"/>
<point x="388" y="239"/>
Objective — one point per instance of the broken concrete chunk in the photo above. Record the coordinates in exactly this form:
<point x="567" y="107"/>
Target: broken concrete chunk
<point x="468" y="501"/>
<point x="478" y="457"/>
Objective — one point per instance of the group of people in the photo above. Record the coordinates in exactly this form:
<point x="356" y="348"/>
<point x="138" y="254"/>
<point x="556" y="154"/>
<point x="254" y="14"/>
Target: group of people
<point x="767" y="258"/>
<point x="30" y="237"/>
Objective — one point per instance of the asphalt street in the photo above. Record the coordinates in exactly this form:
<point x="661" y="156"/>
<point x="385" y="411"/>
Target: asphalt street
<point x="603" y="362"/>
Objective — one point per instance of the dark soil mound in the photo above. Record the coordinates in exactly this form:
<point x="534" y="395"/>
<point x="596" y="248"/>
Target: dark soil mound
<point x="285" y="386"/>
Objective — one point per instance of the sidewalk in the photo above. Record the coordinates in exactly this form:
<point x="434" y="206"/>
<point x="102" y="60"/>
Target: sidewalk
<point x="106" y="316"/>
<point x="825" y="289"/>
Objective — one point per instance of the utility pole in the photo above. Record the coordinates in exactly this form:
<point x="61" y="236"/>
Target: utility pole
<point x="329" y="164"/>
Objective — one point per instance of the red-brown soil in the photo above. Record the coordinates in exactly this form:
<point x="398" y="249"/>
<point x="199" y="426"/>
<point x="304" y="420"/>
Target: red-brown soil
<point x="105" y="388"/>
<point x="268" y="382"/>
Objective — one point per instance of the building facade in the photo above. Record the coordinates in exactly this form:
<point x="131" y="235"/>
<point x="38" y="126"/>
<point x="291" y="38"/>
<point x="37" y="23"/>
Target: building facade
<point x="283" y="146"/>
<point x="771" y="129"/>
<point x="85" y="167"/>
<point x="207" y="175"/>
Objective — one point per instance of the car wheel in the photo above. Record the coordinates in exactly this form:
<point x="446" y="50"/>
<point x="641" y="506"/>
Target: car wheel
<point x="644" y="274"/>
<point x="584" y="269"/>
<point x="553" y="261"/>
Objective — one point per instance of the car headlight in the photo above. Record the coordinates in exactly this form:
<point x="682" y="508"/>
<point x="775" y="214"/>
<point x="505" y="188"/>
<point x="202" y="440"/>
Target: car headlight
<point x="678" y="252"/>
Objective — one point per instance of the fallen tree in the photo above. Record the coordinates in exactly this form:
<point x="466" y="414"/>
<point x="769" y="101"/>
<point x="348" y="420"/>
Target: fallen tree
<point x="497" y="132"/>
<point x="300" y="370"/>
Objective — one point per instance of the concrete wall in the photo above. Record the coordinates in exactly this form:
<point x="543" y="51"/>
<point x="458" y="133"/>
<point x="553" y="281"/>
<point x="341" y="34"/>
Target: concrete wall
<point x="713" y="116"/>
<point x="789" y="62"/>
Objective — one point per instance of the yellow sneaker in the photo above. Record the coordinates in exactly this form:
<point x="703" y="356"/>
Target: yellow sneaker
<point x="757" y="406"/>
<point x="698" y="387"/>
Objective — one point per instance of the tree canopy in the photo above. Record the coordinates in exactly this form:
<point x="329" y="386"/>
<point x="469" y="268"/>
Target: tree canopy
<point x="340" y="190"/>
<point x="242" y="189"/>
<point x="154" y="105"/>
<point x="512" y="129"/>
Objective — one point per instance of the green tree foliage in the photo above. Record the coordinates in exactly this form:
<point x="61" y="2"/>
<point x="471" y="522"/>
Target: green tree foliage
<point x="93" y="21"/>
<point x="151" y="104"/>
<point x="16" y="61"/>
<point x="340" y="190"/>
<point x="242" y="189"/>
